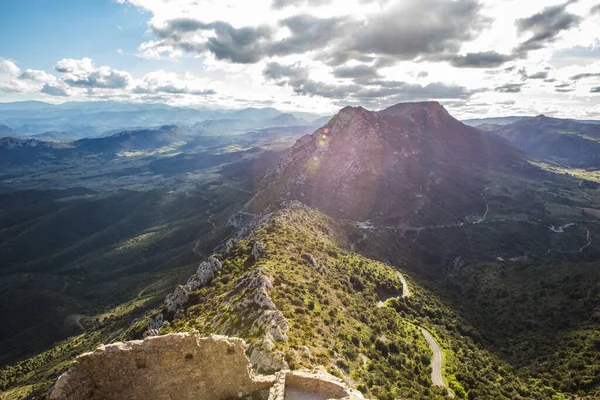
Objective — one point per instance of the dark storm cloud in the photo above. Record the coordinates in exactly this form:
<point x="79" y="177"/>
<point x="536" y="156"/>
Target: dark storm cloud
<point x="509" y="88"/>
<point x="545" y="26"/>
<point x="585" y="75"/>
<point x="488" y="59"/>
<point x="54" y="91"/>
<point x="358" y="71"/>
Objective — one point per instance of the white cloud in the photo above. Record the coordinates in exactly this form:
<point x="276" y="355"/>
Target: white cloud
<point x="9" y="67"/>
<point x="37" y="76"/>
<point x="83" y="74"/>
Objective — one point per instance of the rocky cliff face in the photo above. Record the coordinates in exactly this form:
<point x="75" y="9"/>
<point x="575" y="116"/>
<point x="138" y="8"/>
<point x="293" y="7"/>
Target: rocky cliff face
<point x="412" y="161"/>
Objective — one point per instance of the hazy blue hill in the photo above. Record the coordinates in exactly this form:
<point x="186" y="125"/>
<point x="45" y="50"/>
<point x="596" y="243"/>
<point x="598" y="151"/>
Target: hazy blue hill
<point x="557" y="139"/>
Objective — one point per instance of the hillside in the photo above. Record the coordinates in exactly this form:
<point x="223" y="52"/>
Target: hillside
<point x="562" y="140"/>
<point x="298" y="296"/>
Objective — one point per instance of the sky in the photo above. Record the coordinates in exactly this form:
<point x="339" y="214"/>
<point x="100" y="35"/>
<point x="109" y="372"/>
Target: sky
<point x="478" y="58"/>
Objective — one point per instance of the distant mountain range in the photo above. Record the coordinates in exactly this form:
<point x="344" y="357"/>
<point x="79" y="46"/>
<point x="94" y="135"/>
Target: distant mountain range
<point x="89" y="119"/>
<point x="567" y="140"/>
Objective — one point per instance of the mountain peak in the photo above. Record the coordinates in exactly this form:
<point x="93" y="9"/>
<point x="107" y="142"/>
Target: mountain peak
<point x="397" y="164"/>
<point x="425" y="110"/>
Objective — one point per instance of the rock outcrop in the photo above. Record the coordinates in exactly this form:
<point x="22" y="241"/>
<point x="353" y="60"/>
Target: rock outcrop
<point x="183" y="366"/>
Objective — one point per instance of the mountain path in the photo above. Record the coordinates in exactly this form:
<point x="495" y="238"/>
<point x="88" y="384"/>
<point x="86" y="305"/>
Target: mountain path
<point x="437" y="362"/>
<point x="587" y="237"/>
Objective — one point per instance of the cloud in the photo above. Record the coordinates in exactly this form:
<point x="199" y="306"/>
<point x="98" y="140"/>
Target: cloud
<point x="405" y="31"/>
<point x="487" y="59"/>
<point x="169" y="83"/>
<point x="538" y="75"/>
<point x="545" y="26"/>
<point x="595" y="89"/>
<point x="285" y="74"/>
<point x="585" y="75"/>
<point x="67" y="65"/>
<point x="37" y="76"/>
<point x="53" y="90"/>
<point x="423" y="74"/>
<point x="239" y="45"/>
<point x="369" y="92"/>
<point x="9" y="67"/>
<point x="83" y="74"/>
<point x="411" y="29"/>
<point x="279" y="4"/>
<point x="509" y="88"/>
<point x="595" y="9"/>
<point x="357" y="71"/>
<point x="563" y="85"/>
<point x="309" y="33"/>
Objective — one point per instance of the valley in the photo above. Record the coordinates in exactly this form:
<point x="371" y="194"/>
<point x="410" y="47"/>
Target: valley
<point x="294" y="238"/>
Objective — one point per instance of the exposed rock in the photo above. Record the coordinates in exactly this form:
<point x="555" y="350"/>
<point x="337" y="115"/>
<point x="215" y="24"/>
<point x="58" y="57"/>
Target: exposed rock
<point x="268" y="317"/>
<point x="204" y="274"/>
<point x="258" y="250"/>
<point x="265" y="361"/>
<point x="176" y="300"/>
<point x="184" y="366"/>
<point x="156" y="322"/>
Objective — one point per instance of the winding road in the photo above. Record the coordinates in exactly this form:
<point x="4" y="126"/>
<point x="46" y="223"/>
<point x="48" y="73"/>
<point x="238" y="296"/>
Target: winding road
<point x="437" y="362"/>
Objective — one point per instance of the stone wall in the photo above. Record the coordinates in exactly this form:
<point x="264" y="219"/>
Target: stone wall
<point x="176" y="366"/>
<point x="183" y="366"/>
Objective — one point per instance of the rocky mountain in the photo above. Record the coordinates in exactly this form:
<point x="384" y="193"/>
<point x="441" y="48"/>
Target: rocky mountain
<point x="557" y="139"/>
<point x="411" y="161"/>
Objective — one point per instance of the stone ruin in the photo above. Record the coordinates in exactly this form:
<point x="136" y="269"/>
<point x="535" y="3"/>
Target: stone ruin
<point x="186" y="366"/>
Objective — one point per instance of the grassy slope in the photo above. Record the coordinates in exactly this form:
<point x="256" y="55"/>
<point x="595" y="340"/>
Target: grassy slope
<point x="334" y="321"/>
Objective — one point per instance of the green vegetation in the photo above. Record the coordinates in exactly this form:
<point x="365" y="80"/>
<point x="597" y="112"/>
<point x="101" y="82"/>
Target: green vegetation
<point x="545" y="319"/>
<point x="79" y="266"/>
<point x="329" y="297"/>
